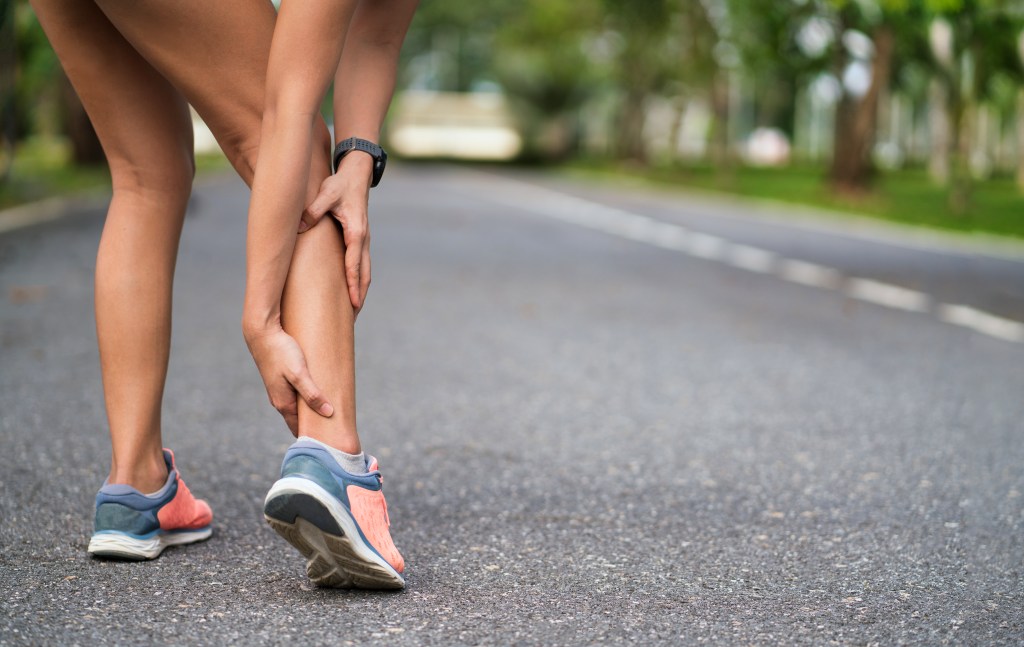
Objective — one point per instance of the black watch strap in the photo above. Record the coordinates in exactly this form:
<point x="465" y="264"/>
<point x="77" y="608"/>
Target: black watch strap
<point x="380" y="157"/>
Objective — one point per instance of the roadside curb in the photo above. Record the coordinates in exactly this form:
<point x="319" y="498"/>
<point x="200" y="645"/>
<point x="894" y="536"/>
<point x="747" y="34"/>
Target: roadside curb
<point x="65" y="206"/>
<point x="50" y="209"/>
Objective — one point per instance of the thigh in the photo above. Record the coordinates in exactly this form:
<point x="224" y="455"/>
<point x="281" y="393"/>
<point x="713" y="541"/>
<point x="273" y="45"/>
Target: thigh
<point x="141" y="119"/>
<point x="215" y="53"/>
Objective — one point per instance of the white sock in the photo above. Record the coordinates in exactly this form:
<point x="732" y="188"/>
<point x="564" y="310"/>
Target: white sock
<point x="351" y="463"/>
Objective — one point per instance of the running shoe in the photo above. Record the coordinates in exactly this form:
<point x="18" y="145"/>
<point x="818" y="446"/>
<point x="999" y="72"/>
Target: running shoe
<point x="337" y="520"/>
<point x="133" y="525"/>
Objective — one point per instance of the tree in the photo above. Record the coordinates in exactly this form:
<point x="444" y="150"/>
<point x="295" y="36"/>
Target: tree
<point x="973" y="43"/>
<point x="643" y="29"/>
<point x="550" y="65"/>
<point x="856" y="121"/>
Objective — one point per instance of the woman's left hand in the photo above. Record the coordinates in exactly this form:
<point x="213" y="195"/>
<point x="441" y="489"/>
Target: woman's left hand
<point x="345" y="195"/>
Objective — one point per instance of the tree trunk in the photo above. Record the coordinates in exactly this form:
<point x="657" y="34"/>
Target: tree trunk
<point x="631" y="144"/>
<point x="721" y="155"/>
<point x="857" y="122"/>
<point x="1020" y="139"/>
<point x="960" y="178"/>
<point x="940" y="127"/>
<point x="8" y="62"/>
<point x="85" y="145"/>
<point x="676" y="131"/>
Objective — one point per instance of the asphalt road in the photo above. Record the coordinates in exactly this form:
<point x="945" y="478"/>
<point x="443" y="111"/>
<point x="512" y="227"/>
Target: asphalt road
<point x="604" y="416"/>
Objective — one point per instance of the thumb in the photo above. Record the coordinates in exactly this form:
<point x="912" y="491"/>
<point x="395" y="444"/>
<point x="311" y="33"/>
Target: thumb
<point x="314" y="212"/>
<point x="311" y="393"/>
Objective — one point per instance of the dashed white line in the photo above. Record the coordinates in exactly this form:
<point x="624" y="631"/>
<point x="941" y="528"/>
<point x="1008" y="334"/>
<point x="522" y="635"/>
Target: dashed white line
<point x="810" y="274"/>
<point x="670" y="236"/>
<point x="752" y="259"/>
<point x="982" y="322"/>
<point x="645" y="229"/>
<point x="706" y="246"/>
<point x="885" y="294"/>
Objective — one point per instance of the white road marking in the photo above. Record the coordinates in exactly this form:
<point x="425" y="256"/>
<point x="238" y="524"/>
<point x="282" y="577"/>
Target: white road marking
<point x="644" y="229"/>
<point x="671" y="237"/>
<point x="811" y="274"/>
<point x="752" y="259"/>
<point x="983" y="322"/>
<point x="706" y="246"/>
<point x="889" y="295"/>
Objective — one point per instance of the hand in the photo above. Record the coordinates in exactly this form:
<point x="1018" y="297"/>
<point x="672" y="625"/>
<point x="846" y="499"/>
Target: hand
<point x="345" y="195"/>
<point x="285" y="374"/>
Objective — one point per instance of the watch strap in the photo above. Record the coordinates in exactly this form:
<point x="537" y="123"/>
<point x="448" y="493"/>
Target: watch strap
<point x="379" y="155"/>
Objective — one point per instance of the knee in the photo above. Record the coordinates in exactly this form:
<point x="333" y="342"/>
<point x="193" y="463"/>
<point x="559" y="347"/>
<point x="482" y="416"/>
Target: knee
<point x="167" y="176"/>
<point x="242" y="147"/>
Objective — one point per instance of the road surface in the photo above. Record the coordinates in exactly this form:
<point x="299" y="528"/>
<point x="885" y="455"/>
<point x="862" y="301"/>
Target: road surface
<point x="605" y="416"/>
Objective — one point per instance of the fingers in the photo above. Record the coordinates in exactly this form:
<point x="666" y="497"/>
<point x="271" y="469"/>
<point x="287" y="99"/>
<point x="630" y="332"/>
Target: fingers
<point x="287" y="405"/>
<point x="323" y="203"/>
<point x="355" y="249"/>
<point x="302" y="381"/>
<point x="364" y="276"/>
<point x="346" y="200"/>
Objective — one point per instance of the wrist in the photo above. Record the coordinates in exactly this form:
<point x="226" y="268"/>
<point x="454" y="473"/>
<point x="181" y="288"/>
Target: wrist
<point x="257" y="323"/>
<point x="357" y="164"/>
<point x="358" y="148"/>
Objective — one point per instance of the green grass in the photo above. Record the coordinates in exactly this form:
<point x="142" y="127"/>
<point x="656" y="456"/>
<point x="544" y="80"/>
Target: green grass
<point x="907" y="196"/>
<point x="42" y="168"/>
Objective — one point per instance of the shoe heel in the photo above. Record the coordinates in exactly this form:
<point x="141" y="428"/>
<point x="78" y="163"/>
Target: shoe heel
<point x="286" y="507"/>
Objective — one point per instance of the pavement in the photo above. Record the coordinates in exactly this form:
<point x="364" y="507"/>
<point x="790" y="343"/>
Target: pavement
<point x="605" y="416"/>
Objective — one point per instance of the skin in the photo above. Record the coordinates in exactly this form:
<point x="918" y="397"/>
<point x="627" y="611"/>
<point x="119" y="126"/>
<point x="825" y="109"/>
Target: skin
<point x="304" y="57"/>
<point x="134" y="65"/>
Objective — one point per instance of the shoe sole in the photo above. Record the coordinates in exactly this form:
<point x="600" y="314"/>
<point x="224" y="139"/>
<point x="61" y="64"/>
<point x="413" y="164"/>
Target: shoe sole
<point x="117" y="545"/>
<point x="320" y="527"/>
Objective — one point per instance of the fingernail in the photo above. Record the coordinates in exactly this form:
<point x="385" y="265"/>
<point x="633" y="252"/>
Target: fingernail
<point x="326" y="410"/>
<point x="303" y="226"/>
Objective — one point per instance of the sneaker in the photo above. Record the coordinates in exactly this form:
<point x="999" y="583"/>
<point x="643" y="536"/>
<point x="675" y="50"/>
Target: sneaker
<point x="133" y="525"/>
<point x="337" y="520"/>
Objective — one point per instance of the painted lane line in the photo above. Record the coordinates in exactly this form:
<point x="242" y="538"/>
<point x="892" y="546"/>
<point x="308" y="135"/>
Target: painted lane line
<point x="810" y="274"/>
<point x="645" y="229"/>
<point x="670" y="236"/>
<point x="706" y="246"/>
<point x="981" y="321"/>
<point x="752" y="259"/>
<point x="888" y="295"/>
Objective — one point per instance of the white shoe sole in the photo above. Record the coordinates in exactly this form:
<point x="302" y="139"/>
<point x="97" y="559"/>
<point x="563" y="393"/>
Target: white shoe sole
<point x="302" y="512"/>
<point x="120" y="546"/>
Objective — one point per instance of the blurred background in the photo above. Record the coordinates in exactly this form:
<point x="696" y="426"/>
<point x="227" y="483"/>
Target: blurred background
<point x="910" y="110"/>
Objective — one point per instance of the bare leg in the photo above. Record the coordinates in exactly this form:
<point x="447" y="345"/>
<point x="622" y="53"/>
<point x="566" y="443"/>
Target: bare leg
<point x="146" y="132"/>
<point x="319" y="315"/>
<point x="230" y="97"/>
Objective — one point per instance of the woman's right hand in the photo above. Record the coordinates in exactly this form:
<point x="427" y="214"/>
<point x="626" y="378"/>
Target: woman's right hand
<point x="285" y="374"/>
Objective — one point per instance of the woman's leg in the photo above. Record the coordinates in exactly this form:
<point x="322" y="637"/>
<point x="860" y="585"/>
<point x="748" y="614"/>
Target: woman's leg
<point x="181" y="39"/>
<point x="318" y="314"/>
<point x="146" y="132"/>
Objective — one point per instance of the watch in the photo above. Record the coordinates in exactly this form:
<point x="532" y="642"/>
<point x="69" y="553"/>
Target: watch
<point x="380" y="157"/>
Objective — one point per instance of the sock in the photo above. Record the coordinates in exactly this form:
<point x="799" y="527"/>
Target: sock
<point x="351" y="463"/>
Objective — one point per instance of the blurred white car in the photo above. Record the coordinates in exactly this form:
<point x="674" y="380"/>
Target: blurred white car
<point x="472" y="125"/>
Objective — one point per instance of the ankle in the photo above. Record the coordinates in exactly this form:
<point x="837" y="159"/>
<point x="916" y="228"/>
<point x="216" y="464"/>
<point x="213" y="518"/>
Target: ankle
<point x="146" y="476"/>
<point x="353" y="463"/>
<point x="346" y="442"/>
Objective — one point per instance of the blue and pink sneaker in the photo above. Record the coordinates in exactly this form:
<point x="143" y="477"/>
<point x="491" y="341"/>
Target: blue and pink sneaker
<point x="133" y="525"/>
<point x="337" y="520"/>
